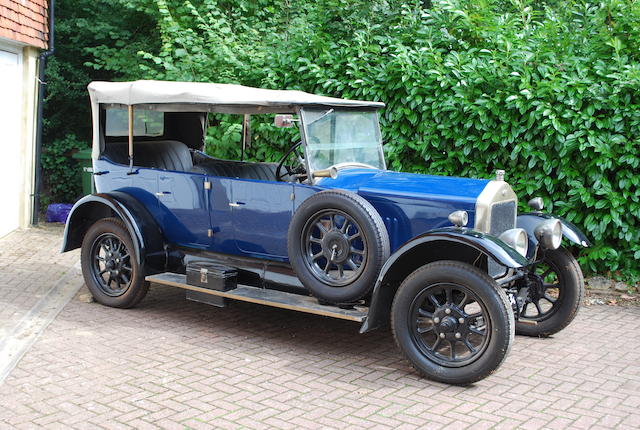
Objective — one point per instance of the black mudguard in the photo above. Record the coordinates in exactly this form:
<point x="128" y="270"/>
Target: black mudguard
<point x="148" y="238"/>
<point x="459" y="238"/>
<point x="529" y="221"/>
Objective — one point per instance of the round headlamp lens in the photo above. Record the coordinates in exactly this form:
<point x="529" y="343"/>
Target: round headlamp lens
<point x="517" y="239"/>
<point x="549" y="233"/>
<point x="522" y="242"/>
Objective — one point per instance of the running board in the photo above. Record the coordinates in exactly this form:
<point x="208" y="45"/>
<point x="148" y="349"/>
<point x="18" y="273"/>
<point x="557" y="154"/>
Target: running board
<point x="262" y="296"/>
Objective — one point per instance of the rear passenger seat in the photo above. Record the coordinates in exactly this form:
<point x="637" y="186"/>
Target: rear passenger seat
<point x="161" y="154"/>
<point x="174" y="155"/>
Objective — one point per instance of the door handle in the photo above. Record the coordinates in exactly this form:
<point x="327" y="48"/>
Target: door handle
<point x="236" y="204"/>
<point x="163" y="193"/>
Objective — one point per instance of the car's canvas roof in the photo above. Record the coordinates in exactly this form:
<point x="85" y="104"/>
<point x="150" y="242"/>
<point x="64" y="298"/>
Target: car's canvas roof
<point x="172" y="96"/>
<point x="225" y="98"/>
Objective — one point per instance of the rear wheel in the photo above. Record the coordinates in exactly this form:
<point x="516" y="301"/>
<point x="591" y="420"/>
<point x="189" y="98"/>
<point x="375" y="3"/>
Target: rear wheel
<point x="110" y="266"/>
<point x="556" y="287"/>
<point x="452" y="322"/>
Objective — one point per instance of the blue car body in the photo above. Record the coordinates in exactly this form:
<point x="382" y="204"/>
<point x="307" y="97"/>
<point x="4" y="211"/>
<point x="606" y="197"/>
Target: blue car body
<point x="256" y="225"/>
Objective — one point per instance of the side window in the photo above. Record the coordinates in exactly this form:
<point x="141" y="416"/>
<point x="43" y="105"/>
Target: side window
<point x="146" y="123"/>
<point x="267" y="143"/>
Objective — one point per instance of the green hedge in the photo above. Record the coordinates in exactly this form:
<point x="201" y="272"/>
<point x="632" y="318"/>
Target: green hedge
<point x="547" y="90"/>
<point x="61" y="172"/>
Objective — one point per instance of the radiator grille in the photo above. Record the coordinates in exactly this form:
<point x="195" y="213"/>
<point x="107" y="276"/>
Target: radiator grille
<point x="503" y="217"/>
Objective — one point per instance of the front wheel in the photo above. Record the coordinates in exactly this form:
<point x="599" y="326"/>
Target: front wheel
<point x="556" y="288"/>
<point x="110" y="265"/>
<point x="452" y="322"/>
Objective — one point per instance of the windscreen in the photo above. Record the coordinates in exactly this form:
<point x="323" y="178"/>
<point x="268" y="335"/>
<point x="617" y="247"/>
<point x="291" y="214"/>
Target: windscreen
<point x="342" y="137"/>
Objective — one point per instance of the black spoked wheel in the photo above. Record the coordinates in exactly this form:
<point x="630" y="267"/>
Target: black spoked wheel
<point x="545" y="293"/>
<point x="110" y="265"/>
<point x="336" y="249"/>
<point x="556" y="287"/>
<point x="452" y="322"/>
<point x="337" y="244"/>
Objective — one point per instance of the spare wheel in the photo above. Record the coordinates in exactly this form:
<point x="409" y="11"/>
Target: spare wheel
<point x="337" y="244"/>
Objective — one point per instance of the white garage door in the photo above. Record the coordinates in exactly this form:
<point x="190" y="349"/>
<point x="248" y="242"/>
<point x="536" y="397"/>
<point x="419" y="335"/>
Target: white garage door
<point x="10" y="140"/>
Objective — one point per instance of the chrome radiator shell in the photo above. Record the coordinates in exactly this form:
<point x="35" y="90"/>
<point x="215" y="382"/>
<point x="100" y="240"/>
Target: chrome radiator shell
<point x="496" y="208"/>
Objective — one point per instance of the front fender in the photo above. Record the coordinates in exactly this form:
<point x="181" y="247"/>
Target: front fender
<point x="451" y="243"/>
<point x="147" y="237"/>
<point x="529" y="221"/>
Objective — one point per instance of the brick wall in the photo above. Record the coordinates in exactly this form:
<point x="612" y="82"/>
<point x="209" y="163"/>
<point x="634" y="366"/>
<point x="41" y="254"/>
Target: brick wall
<point x="24" y="21"/>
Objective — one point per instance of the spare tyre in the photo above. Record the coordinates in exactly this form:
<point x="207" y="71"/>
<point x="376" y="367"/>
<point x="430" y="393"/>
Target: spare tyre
<point x="337" y="244"/>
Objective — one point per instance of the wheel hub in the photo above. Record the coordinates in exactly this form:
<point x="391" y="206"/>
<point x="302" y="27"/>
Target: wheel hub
<point x="536" y="286"/>
<point x="450" y="322"/>
<point x="336" y="247"/>
<point x="113" y="262"/>
<point x="331" y="253"/>
<point x="447" y="325"/>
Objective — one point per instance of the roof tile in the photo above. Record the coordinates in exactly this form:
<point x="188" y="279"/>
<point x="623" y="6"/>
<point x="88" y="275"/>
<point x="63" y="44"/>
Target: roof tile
<point x="25" y="21"/>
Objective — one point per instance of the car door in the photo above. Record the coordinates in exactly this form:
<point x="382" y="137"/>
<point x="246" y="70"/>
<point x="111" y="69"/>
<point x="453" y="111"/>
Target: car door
<point x="184" y="208"/>
<point x="261" y="212"/>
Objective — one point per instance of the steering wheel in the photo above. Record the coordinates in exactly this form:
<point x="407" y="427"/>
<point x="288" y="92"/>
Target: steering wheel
<point x="298" y="171"/>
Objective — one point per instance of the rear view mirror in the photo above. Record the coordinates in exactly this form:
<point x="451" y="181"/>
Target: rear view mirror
<point x="283" y="121"/>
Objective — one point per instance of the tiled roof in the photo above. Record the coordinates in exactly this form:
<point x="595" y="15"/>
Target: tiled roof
<point x="25" y="21"/>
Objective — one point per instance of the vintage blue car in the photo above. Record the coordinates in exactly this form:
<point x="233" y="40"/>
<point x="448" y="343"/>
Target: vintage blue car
<point x="327" y="229"/>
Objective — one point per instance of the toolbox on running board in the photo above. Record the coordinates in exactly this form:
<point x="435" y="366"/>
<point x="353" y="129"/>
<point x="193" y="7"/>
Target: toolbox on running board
<point x="211" y="275"/>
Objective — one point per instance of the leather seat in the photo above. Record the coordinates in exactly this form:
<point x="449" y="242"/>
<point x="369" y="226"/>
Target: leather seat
<point x="237" y="169"/>
<point x="174" y="155"/>
<point x="161" y="154"/>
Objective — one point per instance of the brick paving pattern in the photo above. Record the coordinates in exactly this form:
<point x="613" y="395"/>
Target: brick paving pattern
<point x="174" y="364"/>
<point x="30" y="264"/>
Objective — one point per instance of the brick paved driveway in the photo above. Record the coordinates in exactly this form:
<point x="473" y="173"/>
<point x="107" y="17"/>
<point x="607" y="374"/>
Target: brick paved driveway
<point x="30" y="262"/>
<point x="175" y="364"/>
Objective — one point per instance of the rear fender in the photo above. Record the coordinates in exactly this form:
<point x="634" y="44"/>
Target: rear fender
<point x="459" y="244"/>
<point x="148" y="241"/>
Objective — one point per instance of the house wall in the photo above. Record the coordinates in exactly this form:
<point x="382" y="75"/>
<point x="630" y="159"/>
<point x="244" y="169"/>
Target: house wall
<point x="23" y="34"/>
<point x="28" y="125"/>
<point x="10" y="136"/>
